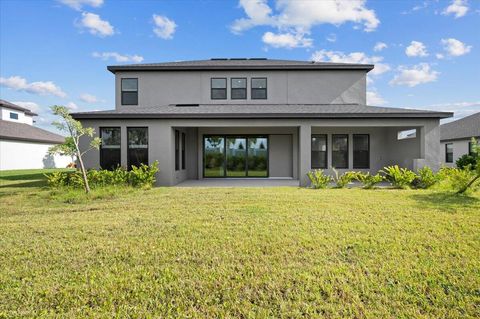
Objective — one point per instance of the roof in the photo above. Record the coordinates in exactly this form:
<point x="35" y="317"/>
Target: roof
<point x="239" y="64"/>
<point x="24" y="132"/>
<point x="464" y="128"/>
<point x="4" y="103"/>
<point x="248" y="111"/>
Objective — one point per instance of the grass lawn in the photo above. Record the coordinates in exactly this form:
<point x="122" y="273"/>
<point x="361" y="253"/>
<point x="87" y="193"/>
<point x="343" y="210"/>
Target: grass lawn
<point x="238" y="252"/>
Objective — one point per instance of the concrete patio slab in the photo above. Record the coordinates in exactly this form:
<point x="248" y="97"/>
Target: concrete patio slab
<point x="240" y="182"/>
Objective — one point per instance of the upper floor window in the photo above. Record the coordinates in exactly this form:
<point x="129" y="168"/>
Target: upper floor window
<point x="239" y="89"/>
<point x="449" y="153"/>
<point x="129" y="91"/>
<point x="219" y="88"/>
<point x="259" y="88"/>
<point x="14" y="116"/>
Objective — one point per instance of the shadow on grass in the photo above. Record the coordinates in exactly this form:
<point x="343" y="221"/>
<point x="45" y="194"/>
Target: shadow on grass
<point x="20" y="177"/>
<point x="449" y="202"/>
<point x="25" y="184"/>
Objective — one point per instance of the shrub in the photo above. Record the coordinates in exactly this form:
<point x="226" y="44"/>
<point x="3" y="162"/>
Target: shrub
<point x="343" y="180"/>
<point x="458" y="180"/>
<point x="369" y="181"/>
<point x="144" y="175"/>
<point x="318" y="179"/>
<point x="399" y="177"/>
<point x="426" y="178"/>
<point x="466" y="160"/>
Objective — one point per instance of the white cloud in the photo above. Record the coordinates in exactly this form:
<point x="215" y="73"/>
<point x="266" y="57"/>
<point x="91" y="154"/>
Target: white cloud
<point x="332" y="37"/>
<point x="164" y="27"/>
<point x="416" y="48"/>
<point x="88" y="98"/>
<point x="122" y="58"/>
<point x="379" y="46"/>
<point x="32" y="106"/>
<point x="373" y="98"/>
<point x="72" y="106"/>
<point x="454" y="47"/>
<point x="439" y="56"/>
<point x="78" y="4"/>
<point x="458" y="8"/>
<point x="417" y="74"/>
<point x="96" y="25"/>
<point x="18" y="83"/>
<point x="460" y="109"/>
<point x="354" y="57"/>
<point x="286" y="40"/>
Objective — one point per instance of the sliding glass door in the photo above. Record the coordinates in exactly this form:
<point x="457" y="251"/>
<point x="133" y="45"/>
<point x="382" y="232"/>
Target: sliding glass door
<point x="236" y="156"/>
<point x="214" y="156"/>
<point x="257" y="157"/>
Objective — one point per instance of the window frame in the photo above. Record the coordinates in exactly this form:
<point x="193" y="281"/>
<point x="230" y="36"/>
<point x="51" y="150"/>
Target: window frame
<point x="211" y="89"/>
<point x="470" y="148"/>
<point x="252" y="88"/>
<point x="353" y="151"/>
<point x="101" y="128"/>
<point x="447" y="160"/>
<point x="348" y="150"/>
<point x="177" y="150"/>
<point x="122" y="91"/>
<point x="15" y="117"/>
<point x="128" y="145"/>
<point x="326" y="150"/>
<point x="232" y="88"/>
<point x="183" y="150"/>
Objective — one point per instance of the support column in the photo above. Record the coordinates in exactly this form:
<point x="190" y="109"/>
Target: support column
<point x="430" y="149"/>
<point x="304" y="153"/>
<point x="161" y="145"/>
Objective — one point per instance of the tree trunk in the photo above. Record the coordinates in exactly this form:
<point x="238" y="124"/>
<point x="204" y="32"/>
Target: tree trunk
<point x="468" y="185"/>
<point x="84" y="174"/>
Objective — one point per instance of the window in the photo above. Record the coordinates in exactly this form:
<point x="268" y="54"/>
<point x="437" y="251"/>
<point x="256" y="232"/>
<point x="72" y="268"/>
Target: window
<point x="361" y="151"/>
<point x="340" y="151"/>
<point x="177" y="150"/>
<point x="129" y="91"/>
<point x="14" y="116"/>
<point x="137" y="146"/>
<point x="183" y="151"/>
<point x="259" y="89"/>
<point x="110" y="148"/>
<point x="319" y="151"/>
<point x="470" y="149"/>
<point x="449" y="153"/>
<point x="239" y="89"/>
<point x="219" y="88"/>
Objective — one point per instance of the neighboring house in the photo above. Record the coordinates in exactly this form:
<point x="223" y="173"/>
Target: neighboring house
<point x="24" y="146"/>
<point x="255" y="118"/>
<point x="456" y="138"/>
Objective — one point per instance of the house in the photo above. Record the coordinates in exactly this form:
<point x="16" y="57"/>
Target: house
<point x="24" y="146"/>
<point x="456" y="138"/>
<point x="255" y="118"/>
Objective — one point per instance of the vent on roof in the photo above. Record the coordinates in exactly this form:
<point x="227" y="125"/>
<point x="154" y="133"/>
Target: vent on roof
<point x="258" y="59"/>
<point x="187" y="105"/>
<point x="218" y="59"/>
<point x="238" y="59"/>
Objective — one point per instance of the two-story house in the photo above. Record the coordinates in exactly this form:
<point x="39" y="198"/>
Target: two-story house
<point x="255" y="118"/>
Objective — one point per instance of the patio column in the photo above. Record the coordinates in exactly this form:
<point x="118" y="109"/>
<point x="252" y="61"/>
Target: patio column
<point x="304" y="153"/>
<point x="430" y="150"/>
<point x="161" y="140"/>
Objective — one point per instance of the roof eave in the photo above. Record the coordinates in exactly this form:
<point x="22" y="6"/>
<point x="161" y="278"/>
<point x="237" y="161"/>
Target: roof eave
<point x="26" y="139"/>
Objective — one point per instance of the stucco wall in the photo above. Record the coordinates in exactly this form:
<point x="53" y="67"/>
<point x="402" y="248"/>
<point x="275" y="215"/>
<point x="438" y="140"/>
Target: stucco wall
<point x="22" y="118"/>
<point x="460" y="147"/>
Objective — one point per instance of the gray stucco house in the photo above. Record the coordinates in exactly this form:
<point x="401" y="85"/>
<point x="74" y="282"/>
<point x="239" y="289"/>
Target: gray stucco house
<point x="456" y="138"/>
<point x="255" y="118"/>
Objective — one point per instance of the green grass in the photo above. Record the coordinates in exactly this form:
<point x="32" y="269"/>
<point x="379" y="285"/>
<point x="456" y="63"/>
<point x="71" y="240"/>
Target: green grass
<point x="26" y="177"/>
<point x="233" y="252"/>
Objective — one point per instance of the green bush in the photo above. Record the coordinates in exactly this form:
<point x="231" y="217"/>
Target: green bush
<point x="369" y="181"/>
<point x="144" y="175"/>
<point x="318" y="179"/>
<point x="344" y="179"/>
<point x="466" y="160"/>
<point x="455" y="179"/>
<point x="399" y="177"/>
<point x="426" y="178"/>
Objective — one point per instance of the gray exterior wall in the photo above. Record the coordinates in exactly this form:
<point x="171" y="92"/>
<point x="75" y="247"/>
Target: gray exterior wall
<point x="460" y="147"/>
<point x="283" y="87"/>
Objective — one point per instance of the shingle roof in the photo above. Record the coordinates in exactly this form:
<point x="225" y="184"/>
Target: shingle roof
<point x="24" y="132"/>
<point x="262" y="111"/>
<point x="4" y="103"/>
<point x="461" y="129"/>
<point x="239" y="64"/>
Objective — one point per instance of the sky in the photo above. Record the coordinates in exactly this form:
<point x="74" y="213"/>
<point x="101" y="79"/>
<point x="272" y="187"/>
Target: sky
<point x="426" y="53"/>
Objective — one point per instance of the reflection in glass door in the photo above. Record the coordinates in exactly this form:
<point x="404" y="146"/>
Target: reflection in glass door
<point x="214" y="156"/>
<point x="257" y="157"/>
<point x="236" y="156"/>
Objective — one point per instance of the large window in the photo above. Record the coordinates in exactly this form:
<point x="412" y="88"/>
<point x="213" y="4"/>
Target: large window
<point x="110" y="153"/>
<point x="137" y="146"/>
<point x="259" y="88"/>
<point x="239" y="89"/>
<point x="183" y="151"/>
<point x="219" y="88"/>
<point x="340" y="150"/>
<point x="361" y="151"/>
<point x="14" y="116"/>
<point x="449" y="153"/>
<point x="177" y="150"/>
<point x="129" y="91"/>
<point x="319" y="151"/>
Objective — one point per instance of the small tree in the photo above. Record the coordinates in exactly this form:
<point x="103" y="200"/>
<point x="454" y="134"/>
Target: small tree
<point x="476" y="156"/>
<point x="70" y="147"/>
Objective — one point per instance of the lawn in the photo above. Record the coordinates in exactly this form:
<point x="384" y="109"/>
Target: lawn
<point x="238" y="252"/>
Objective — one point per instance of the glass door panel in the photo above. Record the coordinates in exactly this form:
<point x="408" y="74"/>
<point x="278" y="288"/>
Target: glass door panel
<point x="257" y="157"/>
<point x="236" y="156"/>
<point x="214" y="156"/>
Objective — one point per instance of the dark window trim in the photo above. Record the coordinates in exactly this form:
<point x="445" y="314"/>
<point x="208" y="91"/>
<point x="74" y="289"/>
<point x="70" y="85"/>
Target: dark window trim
<point x="470" y="149"/>
<point x="353" y="150"/>
<point x="246" y="136"/>
<point x="211" y="88"/>
<point x="148" y="144"/>
<point x="177" y="150"/>
<point x="251" y="88"/>
<point x="326" y="150"/>
<point x="184" y="140"/>
<point x="348" y="150"/>
<point x="100" y="134"/>
<point x="232" y="88"/>
<point x="447" y="160"/>
<point x="121" y="90"/>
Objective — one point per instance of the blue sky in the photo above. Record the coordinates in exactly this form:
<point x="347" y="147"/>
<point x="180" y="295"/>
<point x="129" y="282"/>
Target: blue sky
<point x="427" y="53"/>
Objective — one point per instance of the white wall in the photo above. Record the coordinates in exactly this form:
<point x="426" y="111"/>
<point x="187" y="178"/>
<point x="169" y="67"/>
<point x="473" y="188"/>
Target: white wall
<point x="22" y="118"/>
<point x="29" y="155"/>
<point x="460" y="147"/>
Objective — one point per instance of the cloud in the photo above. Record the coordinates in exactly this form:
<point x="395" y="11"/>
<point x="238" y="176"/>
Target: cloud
<point x="286" y="40"/>
<point x="78" y="4"/>
<point x="416" y="48"/>
<point x="88" y="98"/>
<point x="379" y="46"/>
<point x="72" y="106"/>
<point x="18" y="83"/>
<point x="373" y="98"/>
<point x="354" y="57"/>
<point x="332" y="37"/>
<point x="32" y="106"/>
<point x="164" y="27"/>
<point x="96" y="25"/>
<point x="460" y="109"/>
<point x="454" y="47"/>
<point x="122" y="58"/>
<point x="417" y="74"/>
<point x="458" y="8"/>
